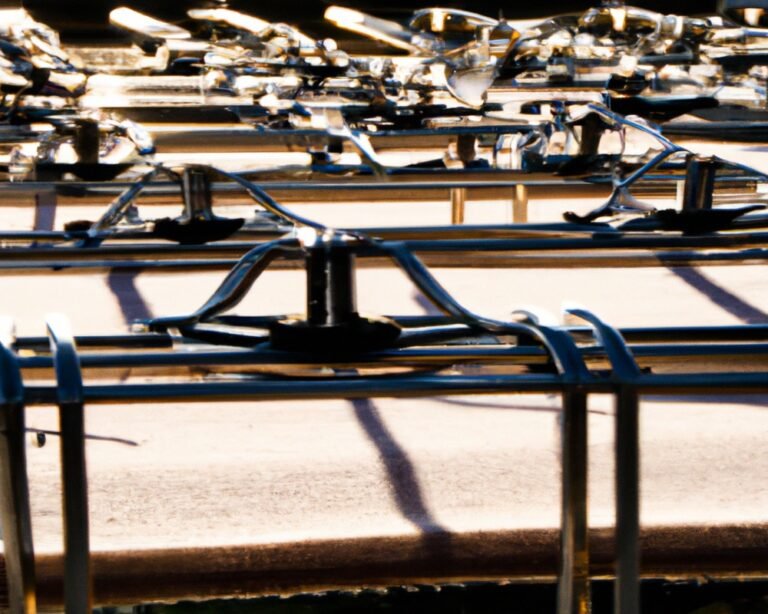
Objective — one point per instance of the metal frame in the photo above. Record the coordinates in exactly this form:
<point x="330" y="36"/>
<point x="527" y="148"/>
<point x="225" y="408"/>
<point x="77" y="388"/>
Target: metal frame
<point x="556" y="358"/>
<point x="573" y="361"/>
<point x="668" y="237"/>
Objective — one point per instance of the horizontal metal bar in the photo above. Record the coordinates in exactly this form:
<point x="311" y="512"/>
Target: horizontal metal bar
<point x="441" y="240"/>
<point x="489" y="261"/>
<point x="130" y="240"/>
<point x="600" y="250"/>
<point x="407" y="179"/>
<point x="396" y="387"/>
<point x="637" y="335"/>
<point x="439" y="180"/>
<point x="186" y="138"/>
<point x="649" y="355"/>
<point x="133" y="341"/>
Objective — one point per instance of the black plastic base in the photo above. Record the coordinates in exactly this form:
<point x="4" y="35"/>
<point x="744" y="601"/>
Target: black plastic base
<point x="358" y="335"/>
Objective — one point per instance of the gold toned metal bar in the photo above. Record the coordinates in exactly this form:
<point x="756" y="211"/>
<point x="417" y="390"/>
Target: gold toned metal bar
<point x="520" y="205"/>
<point x="458" y="205"/>
<point x="573" y="589"/>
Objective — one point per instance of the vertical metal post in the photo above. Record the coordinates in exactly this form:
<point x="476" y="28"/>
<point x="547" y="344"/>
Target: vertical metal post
<point x="520" y="204"/>
<point x="627" y="455"/>
<point x="466" y="148"/>
<point x="458" y="205"/>
<point x="45" y="212"/>
<point x="699" y="183"/>
<point x="331" y="295"/>
<point x="196" y="193"/>
<point x="627" y="587"/>
<point x="573" y="589"/>
<point x="78" y="591"/>
<point x="573" y="594"/>
<point x="87" y="141"/>
<point x="15" y="512"/>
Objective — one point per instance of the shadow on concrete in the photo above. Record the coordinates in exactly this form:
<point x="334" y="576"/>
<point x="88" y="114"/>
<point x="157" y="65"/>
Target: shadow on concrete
<point x="122" y="284"/>
<point x="404" y="482"/>
<point x="733" y="304"/>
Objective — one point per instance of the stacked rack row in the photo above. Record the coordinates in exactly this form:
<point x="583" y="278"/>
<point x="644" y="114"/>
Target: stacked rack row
<point x="211" y="146"/>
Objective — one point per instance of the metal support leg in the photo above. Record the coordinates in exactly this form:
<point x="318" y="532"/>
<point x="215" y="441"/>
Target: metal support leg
<point x="573" y="589"/>
<point x="627" y="587"/>
<point x="573" y="595"/>
<point x="699" y="183"/>
<point x="458" y="205"/>
<point x="627" y="451"/>
<point x="14" y="488"/>
<point x="679" y="194"/>
<point x="196" y="192"/>
<point x="87" y="141"/>
<point x="78" y="591"/>
<point x="520" y="204"/>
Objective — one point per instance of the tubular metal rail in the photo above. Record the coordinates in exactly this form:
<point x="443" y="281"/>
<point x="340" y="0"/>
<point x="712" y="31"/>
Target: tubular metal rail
<point x="254" y="358"/>
<point x="665" y="169"/>
<point x="698" y="233"/>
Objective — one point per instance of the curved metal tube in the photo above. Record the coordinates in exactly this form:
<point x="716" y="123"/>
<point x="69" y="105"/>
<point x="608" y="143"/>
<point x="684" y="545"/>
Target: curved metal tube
<point x="119" y="205"/>
<point x="363" y="147"/>
<point x="269" y="203"/>
<point x="563" y="351"/>
<point x="235" y="285"/>
<point x="623" y="365"/>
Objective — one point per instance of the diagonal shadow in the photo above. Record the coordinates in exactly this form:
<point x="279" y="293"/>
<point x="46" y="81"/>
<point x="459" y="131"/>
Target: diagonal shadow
<point x="404" y="483"/>
<point x="423" y="302"/>
<point x="122" y="284"/>
<point x="733" y="304"/>
<point x="400" y="470"/>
